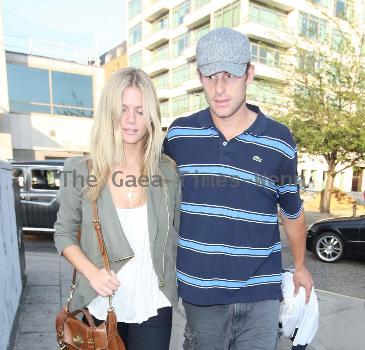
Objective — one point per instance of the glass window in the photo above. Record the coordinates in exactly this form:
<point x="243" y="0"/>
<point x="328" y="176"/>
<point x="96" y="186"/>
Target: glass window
<point x="70" y="91"/>
<point x="199" y="3"/>
<point x="198" y="101"/>
<point x="264" y="92"/>
<point x="180" y="105"/>
<point x="201" y="31"/>
<point x="46" y="179"/>
<point x="338" y="41"/>
<point x="164" y="109"/>
<point x="323" y="3"/>
<point x="228" y="16"/>
<point x="180" y="44"/>
<point x="312" y="27"/>
<point x="180" y="12"/>
<point x="28" y="89"/>
<point x="161" y="23"/>
<point x="266" y="55"/>
<point x="340" y="8"/>
<point x="180" y="74"/>
<point x="161" y="81"/>
<point x="134" y="8"/>
<point x="135" y="60"/>
<point x="18" y="176"/>
<point x="135" y="34"/>
<point x="160" y="53"/>
<point x="268" y="17"/>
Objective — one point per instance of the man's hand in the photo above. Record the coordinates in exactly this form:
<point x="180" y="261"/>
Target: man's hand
<point x="303" y="278"/>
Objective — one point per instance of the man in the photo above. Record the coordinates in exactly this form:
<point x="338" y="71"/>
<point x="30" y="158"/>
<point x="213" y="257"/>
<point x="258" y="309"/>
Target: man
<point x="236" y="165"/>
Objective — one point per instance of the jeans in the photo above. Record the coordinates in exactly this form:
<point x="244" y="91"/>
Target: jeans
<point x="243" y="326"/>
<point x="153" y="334"/>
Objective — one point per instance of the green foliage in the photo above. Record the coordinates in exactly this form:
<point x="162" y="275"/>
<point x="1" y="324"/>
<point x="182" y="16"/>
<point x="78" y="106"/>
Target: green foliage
<point x="327" y="113"/>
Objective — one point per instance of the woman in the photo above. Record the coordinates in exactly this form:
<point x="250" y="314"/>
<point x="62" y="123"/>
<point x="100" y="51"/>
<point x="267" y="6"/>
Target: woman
<point x="138" y="194"/>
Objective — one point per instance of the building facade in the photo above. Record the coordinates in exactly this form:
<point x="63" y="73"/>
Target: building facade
<point x="114" y="59"/>
<point x="50" y="107"/>
<point x="162" y="36"/>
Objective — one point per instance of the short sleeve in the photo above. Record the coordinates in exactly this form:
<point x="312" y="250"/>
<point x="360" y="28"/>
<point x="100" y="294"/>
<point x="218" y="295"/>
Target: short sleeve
<point x="288" y="187"/>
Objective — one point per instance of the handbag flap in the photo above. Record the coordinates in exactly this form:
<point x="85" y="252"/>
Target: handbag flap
<point x="81" y="336"/>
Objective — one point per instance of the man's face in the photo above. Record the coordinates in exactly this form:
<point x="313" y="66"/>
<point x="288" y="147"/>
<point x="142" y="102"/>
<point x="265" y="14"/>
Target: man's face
<point x="225" y="93"/>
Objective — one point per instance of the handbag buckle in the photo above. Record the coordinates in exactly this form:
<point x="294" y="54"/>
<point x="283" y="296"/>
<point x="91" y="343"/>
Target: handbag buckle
<point x="62" y="345"/>
<point x="96" y="224"/>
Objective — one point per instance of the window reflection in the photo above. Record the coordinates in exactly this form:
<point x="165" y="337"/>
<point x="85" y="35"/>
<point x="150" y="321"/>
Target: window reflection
<point x="29" y="91"/>
<point x="72" y="90"/>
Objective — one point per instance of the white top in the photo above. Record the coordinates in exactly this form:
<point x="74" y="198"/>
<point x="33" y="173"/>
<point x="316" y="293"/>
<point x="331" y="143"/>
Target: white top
<point x="295" y="314"/>
<point x="138" y="297"/>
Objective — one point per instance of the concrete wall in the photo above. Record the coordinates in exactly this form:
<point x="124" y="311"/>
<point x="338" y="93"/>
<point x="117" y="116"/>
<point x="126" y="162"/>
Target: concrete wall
<point x="10" y="272"/>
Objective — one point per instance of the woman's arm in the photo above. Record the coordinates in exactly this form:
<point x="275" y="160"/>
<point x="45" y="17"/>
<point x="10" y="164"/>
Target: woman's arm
<point x="66" y="230"/>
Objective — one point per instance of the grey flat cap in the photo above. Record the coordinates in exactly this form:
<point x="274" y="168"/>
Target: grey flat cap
<point x="223" y="50"/>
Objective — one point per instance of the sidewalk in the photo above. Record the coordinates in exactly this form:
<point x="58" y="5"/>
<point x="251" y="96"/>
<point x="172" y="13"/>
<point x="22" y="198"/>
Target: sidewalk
<point x="342" y="318"/>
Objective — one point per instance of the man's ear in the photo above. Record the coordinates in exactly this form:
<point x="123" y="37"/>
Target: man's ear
<point x="250" y="74"/>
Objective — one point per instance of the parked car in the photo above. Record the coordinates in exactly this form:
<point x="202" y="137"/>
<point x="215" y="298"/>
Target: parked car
<point x="39" y="182"/>
<point x="332" y="239"/>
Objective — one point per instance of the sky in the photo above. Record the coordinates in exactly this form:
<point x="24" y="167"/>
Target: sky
<point x="92" y="26"/>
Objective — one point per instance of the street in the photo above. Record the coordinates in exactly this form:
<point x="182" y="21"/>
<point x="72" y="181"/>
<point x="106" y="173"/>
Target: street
<point x="49" y="279"/>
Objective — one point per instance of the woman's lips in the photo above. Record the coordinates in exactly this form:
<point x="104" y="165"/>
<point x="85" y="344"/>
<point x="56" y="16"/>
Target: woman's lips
<point x="130" y="131"/>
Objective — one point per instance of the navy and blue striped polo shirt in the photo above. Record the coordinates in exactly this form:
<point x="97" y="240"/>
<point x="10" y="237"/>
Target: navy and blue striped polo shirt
<point x="229" y="248"/>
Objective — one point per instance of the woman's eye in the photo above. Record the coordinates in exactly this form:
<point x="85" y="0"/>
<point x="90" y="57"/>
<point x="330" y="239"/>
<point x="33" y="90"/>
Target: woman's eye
<point x="139" y="113"/>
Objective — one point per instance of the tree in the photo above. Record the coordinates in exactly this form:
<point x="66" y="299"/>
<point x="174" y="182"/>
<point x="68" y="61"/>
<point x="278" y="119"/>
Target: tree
<point x="327" y="109"/>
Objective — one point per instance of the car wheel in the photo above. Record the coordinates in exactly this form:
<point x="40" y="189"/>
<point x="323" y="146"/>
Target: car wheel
<point x="329" y="247"/>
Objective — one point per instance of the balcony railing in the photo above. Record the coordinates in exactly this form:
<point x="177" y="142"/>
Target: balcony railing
<point x="162" y="23"/>
<point x="268" y="17"/>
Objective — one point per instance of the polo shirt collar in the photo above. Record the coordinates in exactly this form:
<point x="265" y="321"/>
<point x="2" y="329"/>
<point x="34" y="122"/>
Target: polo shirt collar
<point x="257" y="127"/>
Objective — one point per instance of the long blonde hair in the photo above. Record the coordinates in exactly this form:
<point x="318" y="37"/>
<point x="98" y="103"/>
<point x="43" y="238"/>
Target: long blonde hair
<point x="106" y="146"/>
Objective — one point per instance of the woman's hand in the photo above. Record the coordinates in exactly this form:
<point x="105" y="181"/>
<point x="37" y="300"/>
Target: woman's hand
<point x="104" y="283"/>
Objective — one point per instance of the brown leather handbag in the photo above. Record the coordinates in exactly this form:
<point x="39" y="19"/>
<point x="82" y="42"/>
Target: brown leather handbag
<point x="74" y="334"/>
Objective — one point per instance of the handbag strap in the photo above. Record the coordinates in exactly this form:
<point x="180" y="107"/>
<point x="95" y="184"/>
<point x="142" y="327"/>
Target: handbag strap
<point x="101" y="243"/>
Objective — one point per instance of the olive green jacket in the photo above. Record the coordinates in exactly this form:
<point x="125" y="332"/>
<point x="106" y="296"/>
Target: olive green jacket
<point x="163" y="212"/>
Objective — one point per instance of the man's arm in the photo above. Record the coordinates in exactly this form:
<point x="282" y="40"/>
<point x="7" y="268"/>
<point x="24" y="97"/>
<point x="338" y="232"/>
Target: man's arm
<point x="296" y="233"/>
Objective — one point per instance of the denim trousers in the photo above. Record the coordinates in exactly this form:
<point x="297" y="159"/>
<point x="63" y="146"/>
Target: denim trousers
<point x="153" y="334"/>
<point x="242" y="326"/>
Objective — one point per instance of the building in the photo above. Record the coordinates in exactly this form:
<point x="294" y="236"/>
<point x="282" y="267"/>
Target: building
<point x="51" y="105"/>
<point x="162" y="37"/>
<point x="114" y="59"/>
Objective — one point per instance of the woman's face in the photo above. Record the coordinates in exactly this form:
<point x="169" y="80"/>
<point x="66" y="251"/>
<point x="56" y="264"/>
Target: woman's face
<point x="132" y="121"/>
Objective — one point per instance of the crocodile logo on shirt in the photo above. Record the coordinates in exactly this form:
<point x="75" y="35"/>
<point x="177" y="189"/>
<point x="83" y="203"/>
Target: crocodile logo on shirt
<point x="257" y="159"/>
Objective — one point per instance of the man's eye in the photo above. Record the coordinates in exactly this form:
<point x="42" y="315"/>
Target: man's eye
<point x="229" y="75"/>
<point x="211" y="77"/>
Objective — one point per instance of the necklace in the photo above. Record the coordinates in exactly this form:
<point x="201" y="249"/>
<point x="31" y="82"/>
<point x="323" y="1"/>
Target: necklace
<point x="130" y="193"/>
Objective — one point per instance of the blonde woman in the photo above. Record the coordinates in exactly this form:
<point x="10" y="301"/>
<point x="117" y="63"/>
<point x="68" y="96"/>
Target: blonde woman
<point x="138" y="194"/>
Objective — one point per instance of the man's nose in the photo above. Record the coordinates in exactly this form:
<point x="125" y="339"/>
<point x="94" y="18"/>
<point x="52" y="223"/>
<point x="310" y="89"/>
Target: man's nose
<point x="219" y="86"/>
